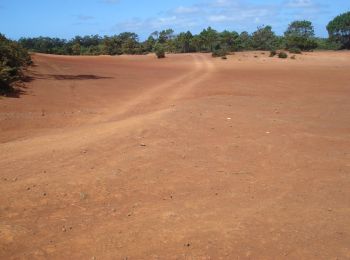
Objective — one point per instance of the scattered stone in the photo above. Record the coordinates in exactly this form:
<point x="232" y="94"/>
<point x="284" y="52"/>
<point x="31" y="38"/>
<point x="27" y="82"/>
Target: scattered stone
<point x="83" y="195"/>
<point x="28" y="188"/>
<point x="44" y="194"/>
<point x="64" y="229"/>
<point x="188" y="244"/>
<point x="143" y="145"/>
<point x="14" y="179"/>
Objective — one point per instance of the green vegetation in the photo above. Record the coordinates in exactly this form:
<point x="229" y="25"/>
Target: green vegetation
<point x="264" y="39"/>
<point x="219" y="53"/>
<point x="339" y="30"/>
<point x="273" y="53"/>
<point x="159" y="50"/>
<point x="300" y="35"/>
<point x="13" y="58"/>
<point x="295" y="50"/>
<point x="282" y="55"/>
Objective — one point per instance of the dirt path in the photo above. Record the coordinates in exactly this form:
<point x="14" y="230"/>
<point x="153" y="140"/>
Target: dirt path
<point x="184" y="158"/>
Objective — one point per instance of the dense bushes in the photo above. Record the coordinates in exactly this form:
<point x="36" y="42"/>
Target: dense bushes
<point x="13" y="58"/>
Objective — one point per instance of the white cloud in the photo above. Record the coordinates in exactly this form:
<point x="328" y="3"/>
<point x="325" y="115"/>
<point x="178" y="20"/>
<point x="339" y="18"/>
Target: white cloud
<point x="227" y="14"/>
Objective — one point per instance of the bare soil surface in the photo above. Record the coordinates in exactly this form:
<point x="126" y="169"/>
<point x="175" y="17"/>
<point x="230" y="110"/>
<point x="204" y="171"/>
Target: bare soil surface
<point x="188" y="157"/>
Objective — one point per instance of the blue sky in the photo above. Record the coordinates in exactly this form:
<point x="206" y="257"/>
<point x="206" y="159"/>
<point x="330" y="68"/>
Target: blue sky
<point x="67" y="18"/>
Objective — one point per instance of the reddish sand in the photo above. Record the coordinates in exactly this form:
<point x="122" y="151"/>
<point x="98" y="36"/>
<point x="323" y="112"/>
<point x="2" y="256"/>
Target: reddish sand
<point x="188" y="157"/>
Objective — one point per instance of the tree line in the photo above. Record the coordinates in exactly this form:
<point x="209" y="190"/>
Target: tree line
<point x="299" y="36"/>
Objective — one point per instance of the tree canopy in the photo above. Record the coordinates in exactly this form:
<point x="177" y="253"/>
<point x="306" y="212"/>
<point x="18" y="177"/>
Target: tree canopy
<point x="264" y="38"/>
<point x="339" y="30"/>
<point x="300" y="35"/>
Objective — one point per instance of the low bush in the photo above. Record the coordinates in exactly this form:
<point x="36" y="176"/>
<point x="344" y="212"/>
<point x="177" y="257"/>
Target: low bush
<point x="273" y="53"/>
<point x="159" y="51"/>
<point x="293" y="57"/>
<point x="295" y="50"/>
<point x="219" y="53"/>
<point x="283" y="55"/>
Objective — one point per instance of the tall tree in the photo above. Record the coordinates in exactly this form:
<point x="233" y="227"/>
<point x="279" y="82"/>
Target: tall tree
<point x="229" y="40"/>
<point x="339" y="30"/>
<point x="264" y="38"/>
<point x="210" y="38"/>
<point x="300" y="34"/>
<point x="183" y="42"/>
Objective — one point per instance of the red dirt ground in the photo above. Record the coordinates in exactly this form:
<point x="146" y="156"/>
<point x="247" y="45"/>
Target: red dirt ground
<point x="188" y="157"/>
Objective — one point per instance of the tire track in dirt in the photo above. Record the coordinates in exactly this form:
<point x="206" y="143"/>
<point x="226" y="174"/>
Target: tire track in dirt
<point x="168" y="92"/>
<point x="118" y="121"/>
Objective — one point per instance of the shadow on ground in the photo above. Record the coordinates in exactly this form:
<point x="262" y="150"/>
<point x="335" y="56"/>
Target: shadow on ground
<point x="65" y="77"/>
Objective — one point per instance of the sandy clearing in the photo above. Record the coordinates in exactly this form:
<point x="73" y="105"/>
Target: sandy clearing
<point x="134" y="157"/>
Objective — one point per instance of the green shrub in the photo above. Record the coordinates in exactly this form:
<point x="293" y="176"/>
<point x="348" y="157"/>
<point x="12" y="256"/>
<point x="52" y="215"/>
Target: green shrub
<point x="159" y="51"/>
<point x="219" y="53"/>
<point x="13" y="58"/>
<point x="273" y="53"/>
<point x="283" y="55"/>
<point x="295" y="50"/>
